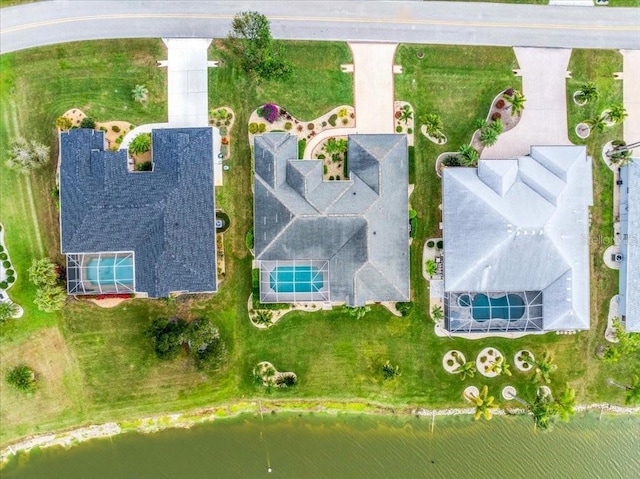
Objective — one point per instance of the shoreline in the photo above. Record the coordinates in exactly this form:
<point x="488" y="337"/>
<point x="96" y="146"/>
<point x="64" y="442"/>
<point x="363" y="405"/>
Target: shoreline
<point x="157" y="423"/>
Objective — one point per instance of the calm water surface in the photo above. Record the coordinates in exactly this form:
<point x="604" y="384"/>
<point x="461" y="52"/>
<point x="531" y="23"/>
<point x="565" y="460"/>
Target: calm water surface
<point x="353" y="447"/>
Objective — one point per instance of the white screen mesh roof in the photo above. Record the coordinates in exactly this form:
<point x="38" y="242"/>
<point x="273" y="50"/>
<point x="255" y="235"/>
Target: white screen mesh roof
<point x="101" y="273"/>
<point x="294" y="281"/>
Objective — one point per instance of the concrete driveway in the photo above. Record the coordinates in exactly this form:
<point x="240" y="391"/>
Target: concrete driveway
<point x="631" y="96"/>
<point x="544" y="119"/>
<point x="373" y="86"/>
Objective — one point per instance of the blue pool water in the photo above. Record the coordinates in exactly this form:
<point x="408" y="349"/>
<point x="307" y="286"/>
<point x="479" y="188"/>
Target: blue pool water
<point x="101" y="270"/>
<point x="298" y="279"/>
<point x="483" y="308"/>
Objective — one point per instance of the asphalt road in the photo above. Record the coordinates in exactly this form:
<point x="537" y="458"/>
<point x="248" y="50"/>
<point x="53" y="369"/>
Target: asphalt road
<point x="58" y="21"/>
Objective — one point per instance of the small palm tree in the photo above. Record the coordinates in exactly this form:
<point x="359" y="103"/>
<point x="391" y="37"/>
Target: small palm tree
<point x="139" y="93"/>
<point x="359" y="311"/>
<point x="544" y="368"/>
<point x="500" y="366"/>
<point x="616" y="113"/>
<point x="619" y="158"/>
<point x="544" y="409"/>
<point x="466" y="370"/>
<point x="436" y="313"/>
<point x="406" y="114"/>
<point x="483" y="403"/>
<point x="517" y="101"/>
<point x="263" y="316"/>
<point x="469" y="155"/>
<point x="598" y="122"/>
<point x="8" y="309"/>
<point x="431" y="267"/>
<point x="566" y="403"/>
<point x="588" y="92"/>
<point x="488" y="136"/>
<point x="433" y="124"/>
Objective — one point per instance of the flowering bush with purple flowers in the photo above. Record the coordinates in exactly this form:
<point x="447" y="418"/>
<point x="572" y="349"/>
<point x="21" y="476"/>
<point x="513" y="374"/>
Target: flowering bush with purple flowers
<point x="269" y="112"/>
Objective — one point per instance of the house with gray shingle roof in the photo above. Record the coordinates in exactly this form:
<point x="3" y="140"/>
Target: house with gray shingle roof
<point x="516" y="248"/>
<point x="629" y="302"/>
<point x="144" y="232"/>
<point x="332" y="241"/>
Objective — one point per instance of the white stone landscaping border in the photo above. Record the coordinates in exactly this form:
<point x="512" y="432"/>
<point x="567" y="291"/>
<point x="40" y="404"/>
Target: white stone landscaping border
<point x="470" y="393"/>
<point x="520" y="364"/>
<point x="580" y="127"/>
<point x="277" y="314"/>
<point x="449" y="357"/>
<point x="482" y="367"/>
<point x="508" y="393"/>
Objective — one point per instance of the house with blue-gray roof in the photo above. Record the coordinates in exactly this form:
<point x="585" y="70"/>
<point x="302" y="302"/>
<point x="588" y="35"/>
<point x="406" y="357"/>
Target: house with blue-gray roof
<point x="333" y="241"/>
<point x="150" y="232"/>
<point x="629" y="302"/>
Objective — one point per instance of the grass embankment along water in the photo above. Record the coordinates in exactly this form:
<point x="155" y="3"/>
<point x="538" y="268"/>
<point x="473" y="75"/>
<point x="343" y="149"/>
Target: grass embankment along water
<point x="95" y="364"/>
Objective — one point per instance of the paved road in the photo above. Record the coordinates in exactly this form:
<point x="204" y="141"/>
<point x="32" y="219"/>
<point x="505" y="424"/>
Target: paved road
<point x="58" y="21"/>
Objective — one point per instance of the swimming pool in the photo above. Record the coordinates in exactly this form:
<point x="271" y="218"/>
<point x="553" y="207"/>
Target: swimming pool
<point x="110" y="271"/>
<point x="510" y="306"/>
<point x="296" y="279"/>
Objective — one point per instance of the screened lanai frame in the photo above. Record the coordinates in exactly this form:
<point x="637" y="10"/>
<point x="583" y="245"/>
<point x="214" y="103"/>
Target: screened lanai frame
<point x="81" y="279"/>
<point x="459" y="319"/>
<point x="317" y="294"/>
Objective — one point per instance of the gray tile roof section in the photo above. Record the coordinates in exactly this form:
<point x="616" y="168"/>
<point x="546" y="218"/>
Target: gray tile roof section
<point x="630" y="245"/>
<point x="523" y="225"/>
<point x="359" y="225"/>
<point x="165" y="216"/>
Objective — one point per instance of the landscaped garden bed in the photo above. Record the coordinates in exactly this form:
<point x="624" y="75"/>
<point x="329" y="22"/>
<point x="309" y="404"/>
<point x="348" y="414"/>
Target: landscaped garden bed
<point x="333" y="153"/>
<point x="486" y="359"/>
<point x="223" y="118"/>
<point x="404" y="119"/>
<point x="524" y="360"/>
<point x="452" y="361"/>
<point x="268" y="376"/>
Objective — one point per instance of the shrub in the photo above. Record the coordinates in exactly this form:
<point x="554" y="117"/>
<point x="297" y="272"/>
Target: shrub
<point x="496" y="116"/>
<point x="299" y="127"/>
<point x="324" y="123"/>
<point x="326" y="170"/>
<point x="430" y="244"/>
<point x="119" y="140"/>
<point x="332" y="119"/>
<point x="50" y="298"/>
<point x="167" y="336"/>
<point x="64" y="123"/>
<point x="1" y="248"/>
<point x="269" y="112"/>
<point x="389" y="371"/>
<point x="4" y="285"/>
<point x="6" y="264"/>
<point x="345" y="121"/>
<point x="140" y="144"/>
<point x="288" y="125"/>
<point x="302" y="144"/>
<point x="144" y="166"/>
<point x="413" y="223"/>
<point x="262" y="128"/>
<point x="404" y="308"/>
<point x="253" y="128"/>
<point x="43" y="272"/>
<point x="500" y="103"/>
<point x="286" y="380"/>
<point x="337" y="177"/>
<point x="310" y="126"/>
<point x="409" y="131"/>
<point x="331" y="178"/>
<point x="229" y="116"/>
<point x="102" y="128"/>
<point x="22" y="378"/>
<point x="11" y="279"/>
<point x="3" y="256"/>
<point x="321" y="156"/>
<point x="398" y="129"/>
<point x="440" y="244"/>
<point x="452" y="160"/>
<point x="224" y="140"/>
<point x="88" y="122"/>
<point x="115" y="128"/>
<point x="248" y="239"/>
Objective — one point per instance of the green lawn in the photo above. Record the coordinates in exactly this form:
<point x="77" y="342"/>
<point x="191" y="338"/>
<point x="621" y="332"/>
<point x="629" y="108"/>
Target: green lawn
<point x="96" y="365"/>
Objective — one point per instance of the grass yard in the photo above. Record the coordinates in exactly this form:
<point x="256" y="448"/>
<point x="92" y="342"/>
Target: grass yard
<point x="99" y="366"/>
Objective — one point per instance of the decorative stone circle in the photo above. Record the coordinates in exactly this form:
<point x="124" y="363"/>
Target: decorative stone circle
<point x="523" y="362"/>
<point x="450" y="363"/>
<point x="605" y="115"/>
<point x="485" y="359"/>
<point x="544" y="391"/>
<point x="583" y="130"/>
<point x="470" y="392"/>
<point x="576" y="94"/>
<point x="508" y="393"/>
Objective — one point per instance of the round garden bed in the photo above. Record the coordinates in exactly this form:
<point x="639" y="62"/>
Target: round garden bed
<point x="509" y="392"/>
<point x="470" y="393"/>
<point x="485" y="360"/>
<point x="576" y="95"/>
<point x="452" y="360"/>
<point x="583" y="130"/>
<point x="524" y="360"/>
<point x="222" y="221"/>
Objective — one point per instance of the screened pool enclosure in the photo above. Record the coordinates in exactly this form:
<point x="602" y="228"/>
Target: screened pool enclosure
<point x="101" y="273"/>
<point x="294" y="280"/>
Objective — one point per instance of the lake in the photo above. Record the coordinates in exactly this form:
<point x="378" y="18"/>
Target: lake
<point x="319" y="446"/>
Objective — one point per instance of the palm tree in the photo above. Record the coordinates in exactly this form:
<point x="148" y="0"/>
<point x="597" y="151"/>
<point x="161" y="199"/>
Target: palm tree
<point x="263" y="316"/>
<point x="544" y="368"/>
<point x="632" y="396"/>
<point x="516" y="101"/>
<point x="500" y="366"/>
<point x="469" y="155"/>
<point x="619" y="158"/>
<point x="8" y="309"/>
<point x="430" y="267"/>
<point x="139" y="93"/>
<point x="543" y="410"/>
<point x="433" y="124"/>
<point x="588" y="92"/>
<point x="359" y="311"/>
<point x="616" y="113"/>
<point x="466" y="370"/>
<point x="598" y="122"/>
<point x="436" y="313"/>
<point x="566" y="403"/>
<point x="406" y="114"/>
<point x="483" y="403"/>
